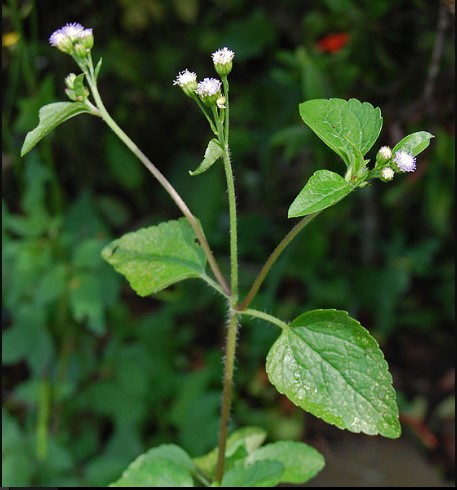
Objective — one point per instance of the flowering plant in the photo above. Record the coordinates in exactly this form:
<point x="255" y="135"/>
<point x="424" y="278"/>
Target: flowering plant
<point x="324" y="361"/>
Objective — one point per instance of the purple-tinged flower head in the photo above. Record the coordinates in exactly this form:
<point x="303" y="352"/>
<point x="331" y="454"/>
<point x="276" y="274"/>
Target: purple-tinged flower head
<point x="187" y="80"/>
<point x="222" y="59"/>
<point x="405" y="161"/>
<point x="86" y="38"/>
<point x="209" y="90"/>
<point x="73" y="39"/>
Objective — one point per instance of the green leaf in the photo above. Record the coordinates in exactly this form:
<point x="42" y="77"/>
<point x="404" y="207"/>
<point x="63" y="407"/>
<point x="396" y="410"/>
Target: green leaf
<point x="301" y="462"/>
<point x="328" y="364"/>
<point x="248" y="437"/>
<point x="164" y="466"/>
<point x="324" y="189"/>
<point x="51" y="116"/>
<point x="414" y="143"/>
<point x="154" y="258"/>
<point x="212" y="154"/>
<point x="258" y="474"/>
<point x="86" y="301"/>
<point x="348" y="127"/>
<point x="97" y="68"/>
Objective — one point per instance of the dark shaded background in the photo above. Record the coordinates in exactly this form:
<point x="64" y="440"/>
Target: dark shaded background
<point x="92" y="374"/>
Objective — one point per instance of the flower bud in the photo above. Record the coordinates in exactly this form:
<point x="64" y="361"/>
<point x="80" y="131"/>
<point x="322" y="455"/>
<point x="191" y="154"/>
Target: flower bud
<point x="222" y="59"/>
<point x="70" y="80"/>
<point x="387" y="174"/>
<point x="220" y="102"/>
<point x="79" y="51"/>
<point x="384" y="155"/>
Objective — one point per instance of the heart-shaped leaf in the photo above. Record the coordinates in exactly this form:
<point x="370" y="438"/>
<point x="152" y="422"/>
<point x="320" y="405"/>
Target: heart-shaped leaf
<point x="324" y="189"/>
<point x="51" y="116"/>
<point x="348" y="127"/>
<point x="329" y="365"/>
<point x="154" y="258"/>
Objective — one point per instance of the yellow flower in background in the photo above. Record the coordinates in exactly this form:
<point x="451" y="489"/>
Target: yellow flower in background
<point x="10" y="39"/>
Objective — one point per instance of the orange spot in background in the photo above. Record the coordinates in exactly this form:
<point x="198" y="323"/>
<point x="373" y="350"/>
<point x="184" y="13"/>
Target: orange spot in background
<point x="333" y="43"/>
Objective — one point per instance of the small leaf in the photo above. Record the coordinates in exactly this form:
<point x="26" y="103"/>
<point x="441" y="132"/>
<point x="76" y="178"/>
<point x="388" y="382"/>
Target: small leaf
<point x="414" y="143"/>
<point x="97" y="68"/>
<point x="348" y="127"/>
<point x="328" y="364"/>
<point x="51" y="116"/>
<point x="86" y="301"/>
<point x="259" y="474"/>
<point x="301" y="462"/>
<point x="248" y="437"/>
<point x="324" y="189"/>
<point x="212" y="154"/>
<point x="154" y="258"/>
<point x="164" y="466"/>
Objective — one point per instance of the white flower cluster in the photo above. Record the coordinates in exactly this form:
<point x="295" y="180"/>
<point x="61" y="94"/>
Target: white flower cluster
<point x="73" y="39"/>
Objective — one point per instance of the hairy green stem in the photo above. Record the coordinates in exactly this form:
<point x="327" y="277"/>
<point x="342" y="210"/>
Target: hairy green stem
<point x="273" y="258"/>
<point x="161" y="179"/>
<point x="232" y="325"/>
<point x="233" y="226"/>
<point x="229" y="367"/>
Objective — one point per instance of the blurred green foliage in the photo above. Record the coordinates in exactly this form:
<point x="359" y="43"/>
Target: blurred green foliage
<point x="94" y="375"/>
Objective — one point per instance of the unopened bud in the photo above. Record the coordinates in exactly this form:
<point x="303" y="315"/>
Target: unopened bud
<point x="384" y="155"/>
<point x="387" y="174"/>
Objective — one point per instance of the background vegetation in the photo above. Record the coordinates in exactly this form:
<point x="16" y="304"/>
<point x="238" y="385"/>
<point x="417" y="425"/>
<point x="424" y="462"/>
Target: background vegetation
<point x="94" y="375"/>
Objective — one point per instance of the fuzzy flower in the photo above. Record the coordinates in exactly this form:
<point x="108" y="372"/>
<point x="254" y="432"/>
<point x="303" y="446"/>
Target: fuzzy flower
<point x="187" y="80"/>
<point x="222" y="59"/>
<point x="72" y="39"/>
<point x="223" y="56"/>
<point x="405" y="161"/>
<point x="208" y="87"/>
<point x="185" y="77"/>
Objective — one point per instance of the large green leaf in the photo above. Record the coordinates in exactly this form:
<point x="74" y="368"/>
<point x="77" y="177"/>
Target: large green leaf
<point x="212" y="154"/>
<point x="164" y="466"/>
<point x="414" y="143"/>
<point x="51" y="116"/>
<point x="348" y="127"/>
<point x="301" y="462"/>
<point x="154" y="258"/>
<point x="323" y="189"/>
<point x="328" y="364"/>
